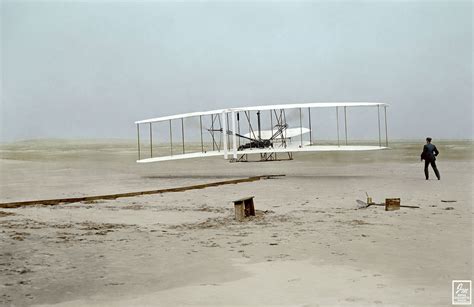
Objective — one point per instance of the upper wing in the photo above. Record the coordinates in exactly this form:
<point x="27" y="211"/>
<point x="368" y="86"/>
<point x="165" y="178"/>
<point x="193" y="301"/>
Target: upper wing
<point x="262" y="108"/>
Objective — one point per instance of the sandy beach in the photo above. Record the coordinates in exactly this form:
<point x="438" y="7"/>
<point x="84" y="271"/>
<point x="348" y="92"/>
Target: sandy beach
<point x="308" y="245"/>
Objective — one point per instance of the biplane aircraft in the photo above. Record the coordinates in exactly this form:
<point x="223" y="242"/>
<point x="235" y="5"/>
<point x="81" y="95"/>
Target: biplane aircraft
<point x="236" y="133"/>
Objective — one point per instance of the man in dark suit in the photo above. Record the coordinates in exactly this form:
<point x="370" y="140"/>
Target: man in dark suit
<point x="429" y="155"/>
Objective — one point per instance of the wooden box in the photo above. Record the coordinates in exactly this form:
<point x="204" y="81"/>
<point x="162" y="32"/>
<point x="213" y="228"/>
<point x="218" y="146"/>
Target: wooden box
<point x="392" y="204"/>
<point x="244" y="207"/>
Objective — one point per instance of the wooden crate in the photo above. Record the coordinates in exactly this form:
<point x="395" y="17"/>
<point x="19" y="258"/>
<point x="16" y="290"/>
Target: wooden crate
<point x="244" y="207"/>
<point x="392" y="204"/>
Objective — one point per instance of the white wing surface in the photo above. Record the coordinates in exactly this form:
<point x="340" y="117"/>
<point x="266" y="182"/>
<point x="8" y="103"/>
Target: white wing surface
<point x="220" y="129"/>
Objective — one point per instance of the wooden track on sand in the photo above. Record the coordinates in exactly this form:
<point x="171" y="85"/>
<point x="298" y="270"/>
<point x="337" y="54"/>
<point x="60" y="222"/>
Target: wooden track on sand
<point x="58" y="201"/>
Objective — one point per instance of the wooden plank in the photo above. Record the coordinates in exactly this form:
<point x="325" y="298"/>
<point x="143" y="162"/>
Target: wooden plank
<point x="249" y="207"/>
<point x="239" y="211"/>
<point x="243" y="199"/>
<point x="52" y="202"/>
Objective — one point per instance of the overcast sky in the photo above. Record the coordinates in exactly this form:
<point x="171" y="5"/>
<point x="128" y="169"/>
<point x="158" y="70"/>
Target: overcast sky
<point x="90" y="69"/>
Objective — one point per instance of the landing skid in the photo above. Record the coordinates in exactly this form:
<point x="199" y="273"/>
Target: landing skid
<point x="264" y="157"/>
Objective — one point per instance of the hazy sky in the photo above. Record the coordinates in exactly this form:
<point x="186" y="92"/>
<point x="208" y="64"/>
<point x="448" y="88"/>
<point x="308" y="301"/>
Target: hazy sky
<point x="90" y="69"/>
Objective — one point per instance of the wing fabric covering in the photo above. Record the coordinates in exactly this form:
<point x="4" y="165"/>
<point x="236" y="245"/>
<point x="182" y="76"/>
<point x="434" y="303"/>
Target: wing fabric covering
<point x="237" y="132"/>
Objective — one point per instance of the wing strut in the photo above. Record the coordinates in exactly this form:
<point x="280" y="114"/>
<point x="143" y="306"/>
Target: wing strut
<point x="182" y="133"/>
<point x="151" y="142"/>
<point x="200" y="126"/>
<point x="301" y="128"/>
<point x="310" y="127"/>
<point x="378" y="118"/>
<point x="386" y="129"/>
<point x="345" y="123"/>
<point x="138" y="133"/>
<point x="337" y="125"/>
<point x="171" y="139"/>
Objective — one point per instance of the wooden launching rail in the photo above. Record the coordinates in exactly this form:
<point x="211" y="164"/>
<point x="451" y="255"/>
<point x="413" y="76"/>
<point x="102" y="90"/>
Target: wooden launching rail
<point x="58" y="201"/>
